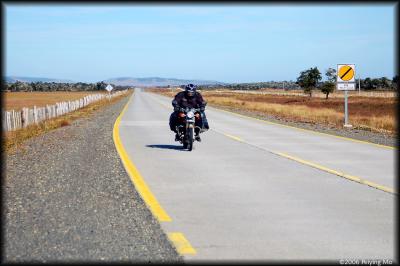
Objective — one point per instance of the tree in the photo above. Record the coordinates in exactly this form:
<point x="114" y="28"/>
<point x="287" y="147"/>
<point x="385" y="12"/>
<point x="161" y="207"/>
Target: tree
<point x="329" y="86"/>
<point x="101" y="85"/>
<point x="384" y="82"/>
<point x="395" y="82"/>
<point x="5" y="85"/>
<point x="331" y="74"/>
<point x="375" y="83"/>
<point x="367" y="84"/>
<point x="309" y="79"/>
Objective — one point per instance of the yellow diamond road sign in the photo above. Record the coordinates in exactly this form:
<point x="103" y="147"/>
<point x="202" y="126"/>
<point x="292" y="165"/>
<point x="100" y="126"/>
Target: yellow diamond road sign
<point x="346" y="72"/>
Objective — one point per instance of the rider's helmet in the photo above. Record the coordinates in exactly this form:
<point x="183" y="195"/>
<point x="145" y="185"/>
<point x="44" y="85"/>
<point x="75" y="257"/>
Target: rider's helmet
<point x="190" y="89"/>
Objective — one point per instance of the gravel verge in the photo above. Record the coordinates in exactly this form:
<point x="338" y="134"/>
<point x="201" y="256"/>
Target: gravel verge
<point x="68" y="198"/>
<point x="359" y="134"/>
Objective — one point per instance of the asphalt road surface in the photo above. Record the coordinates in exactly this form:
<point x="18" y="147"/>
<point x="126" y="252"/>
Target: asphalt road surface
<point x="253" y="190"/>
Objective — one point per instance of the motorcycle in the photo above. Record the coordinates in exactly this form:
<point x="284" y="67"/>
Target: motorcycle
<point x="187" y="118"/>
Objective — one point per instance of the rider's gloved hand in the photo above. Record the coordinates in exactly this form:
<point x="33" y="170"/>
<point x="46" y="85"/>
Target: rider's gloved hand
<point x="176" y="108"/>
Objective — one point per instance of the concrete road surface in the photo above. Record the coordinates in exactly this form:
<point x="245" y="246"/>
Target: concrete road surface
<point x="252" y="190"/>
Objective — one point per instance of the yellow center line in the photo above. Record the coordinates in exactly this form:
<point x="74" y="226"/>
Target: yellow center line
<point x="307" y="130"/>
<point x="233" y="137"/>
<point x="347" y="176"/>
<point x="181" y="243"/>
<point x="316" y="166"/>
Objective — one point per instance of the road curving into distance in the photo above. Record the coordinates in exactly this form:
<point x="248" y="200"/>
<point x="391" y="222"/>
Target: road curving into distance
<point x="253" y="190"/>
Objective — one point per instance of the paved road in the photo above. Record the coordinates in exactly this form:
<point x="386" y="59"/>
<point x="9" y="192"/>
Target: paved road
<point x="257" y="191"/>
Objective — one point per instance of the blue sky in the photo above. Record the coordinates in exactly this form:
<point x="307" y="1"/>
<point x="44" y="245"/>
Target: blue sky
<point x="230" y="43"/>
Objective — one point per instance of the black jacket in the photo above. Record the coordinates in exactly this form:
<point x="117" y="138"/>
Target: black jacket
<point x="183" y="101"/>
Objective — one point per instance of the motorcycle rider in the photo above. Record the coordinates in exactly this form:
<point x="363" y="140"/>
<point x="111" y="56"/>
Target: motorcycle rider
<point x="192" y="99"/>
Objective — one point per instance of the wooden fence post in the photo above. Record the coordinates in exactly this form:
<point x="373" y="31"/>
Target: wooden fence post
<point x="8" y="119"/>
<point x="3" y="118"/>
<point x="24" y="118"/>
<point x="34" y="114"/>
<point x="19" y="122"/>
<point x="12" y="120"/>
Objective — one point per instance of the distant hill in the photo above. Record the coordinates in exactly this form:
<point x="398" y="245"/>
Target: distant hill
<point x="12" y="79"/>
<point x="122" y="81"/>
<point x="156" y="81"/>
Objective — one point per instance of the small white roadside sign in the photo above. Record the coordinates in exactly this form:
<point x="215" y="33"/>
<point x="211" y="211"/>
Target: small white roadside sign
<point x="109" y="88"/>
<point x="346" y="86"/>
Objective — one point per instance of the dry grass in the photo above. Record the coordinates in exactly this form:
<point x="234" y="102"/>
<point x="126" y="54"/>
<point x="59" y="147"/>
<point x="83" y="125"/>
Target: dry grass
<point x="18" y="100"/>
<point x="319" y="94"/>
<point x="369" y="113"/>
<point x="13" y="139"/>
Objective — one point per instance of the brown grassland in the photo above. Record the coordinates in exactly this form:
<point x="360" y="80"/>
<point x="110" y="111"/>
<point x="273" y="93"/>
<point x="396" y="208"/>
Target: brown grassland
<point x="14" y="139"/>
<point x="375" y="114"/>
<point x="17" y="100"/>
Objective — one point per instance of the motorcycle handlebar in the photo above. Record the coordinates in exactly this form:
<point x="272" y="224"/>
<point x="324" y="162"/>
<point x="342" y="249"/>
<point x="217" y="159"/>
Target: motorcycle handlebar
<point x="187" y="109"/>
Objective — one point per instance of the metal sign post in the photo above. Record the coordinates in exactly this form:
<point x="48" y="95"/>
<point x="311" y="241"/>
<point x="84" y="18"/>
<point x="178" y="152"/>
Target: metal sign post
<point x="345" y="81"/>
<point x="109" y="88"/>
<point x="346" y="114"/>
